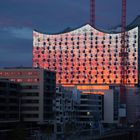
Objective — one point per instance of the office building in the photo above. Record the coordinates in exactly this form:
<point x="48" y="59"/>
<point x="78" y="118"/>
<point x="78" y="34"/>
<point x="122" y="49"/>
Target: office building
<point x="37" y="93"/>
<point x="66" y="104"/>
<point x="133" y="104"/>
<point x="9" y="104"/>
<point x="99" y="103"/>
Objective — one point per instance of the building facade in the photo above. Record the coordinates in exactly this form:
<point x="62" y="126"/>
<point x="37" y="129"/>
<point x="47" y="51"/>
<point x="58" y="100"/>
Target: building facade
<point x="133" y="104"/>
<point x="86" y="56"/>
<point x="9" y="104"/>
<point x="37" y="93"/>
<point x="66" y="110"/>
<point x="99" y="103"/>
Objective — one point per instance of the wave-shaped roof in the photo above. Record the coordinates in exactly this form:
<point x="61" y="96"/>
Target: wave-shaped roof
<point x="83" y="27"/>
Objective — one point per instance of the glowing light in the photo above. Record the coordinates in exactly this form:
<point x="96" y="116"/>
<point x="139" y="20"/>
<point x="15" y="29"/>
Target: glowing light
<point x="99" y="93"/>
<point x="86" y="56"/>
<point x="92" y="87"/>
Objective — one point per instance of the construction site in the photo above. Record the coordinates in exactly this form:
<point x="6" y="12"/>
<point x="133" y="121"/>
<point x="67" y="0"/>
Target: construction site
<point x="96" y="63"/>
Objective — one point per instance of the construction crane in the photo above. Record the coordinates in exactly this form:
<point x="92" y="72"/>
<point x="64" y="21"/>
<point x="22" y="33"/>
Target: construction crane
<point x="124" y="61"/>
<point x="92" y="13"/>
<point x="123" y="53"/>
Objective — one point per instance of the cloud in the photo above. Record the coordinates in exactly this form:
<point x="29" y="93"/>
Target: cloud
<point x="19" y="17"/>
<point x="16" y="46"/>
<point x="23" y="33"/>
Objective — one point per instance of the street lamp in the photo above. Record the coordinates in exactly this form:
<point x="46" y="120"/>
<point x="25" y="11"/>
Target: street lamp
<point x="88" y="113"/>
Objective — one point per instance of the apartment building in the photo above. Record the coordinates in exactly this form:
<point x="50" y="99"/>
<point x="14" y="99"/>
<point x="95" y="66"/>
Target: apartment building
<point x="9" y="104"/>
<point x="98" y="103"/>
<point x="37" y="93"/>
<point x="66" y="104"/>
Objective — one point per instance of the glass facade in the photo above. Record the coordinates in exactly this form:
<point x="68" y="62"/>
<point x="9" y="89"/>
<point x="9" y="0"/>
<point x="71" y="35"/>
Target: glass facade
<point x="86" y="56"/>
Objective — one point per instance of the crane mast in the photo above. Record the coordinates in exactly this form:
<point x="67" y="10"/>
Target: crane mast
<point x="123" y="54"/>
<point x="92" y="13"/>
<point x="123" y="67"/>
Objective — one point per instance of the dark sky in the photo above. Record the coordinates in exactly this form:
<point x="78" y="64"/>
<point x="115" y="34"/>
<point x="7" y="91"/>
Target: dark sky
<point x="18" y="18"/>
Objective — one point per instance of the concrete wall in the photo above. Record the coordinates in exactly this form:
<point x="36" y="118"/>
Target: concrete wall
<point x="108" y="107"/>
<point x="133" y="104"/>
